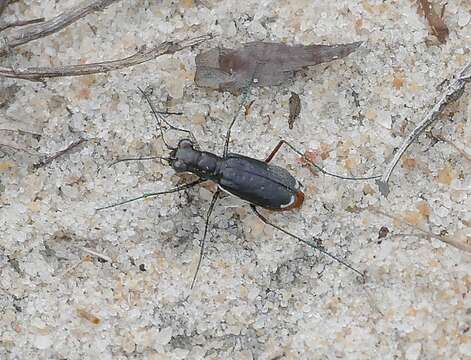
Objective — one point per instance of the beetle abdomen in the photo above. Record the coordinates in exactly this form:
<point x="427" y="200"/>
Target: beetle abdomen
<point x="259" y="183"/>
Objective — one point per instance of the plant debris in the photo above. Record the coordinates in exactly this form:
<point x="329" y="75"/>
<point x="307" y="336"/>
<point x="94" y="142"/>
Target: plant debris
<point x="268" y="63"/>
<point x="294" y="109"/>
<point x="58" y="154"/>
<point x="45" y="28"/>
<point x="454" y="91"/>
<point x="437" y="25"/>
<point x="143" y="55"/>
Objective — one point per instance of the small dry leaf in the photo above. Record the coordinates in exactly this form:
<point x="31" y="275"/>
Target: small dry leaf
<point x="437" y="25"/>
<point x="267" y="63"/>
<point x="294" y="109"/>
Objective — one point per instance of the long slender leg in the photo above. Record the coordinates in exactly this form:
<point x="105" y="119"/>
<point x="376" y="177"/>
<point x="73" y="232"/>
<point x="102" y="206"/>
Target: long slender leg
<point x="274" y="151"/>
<point x="228" y="133"/>
<point x="284" y="142"/>
<point x="146" y="195"/>
<point x="244" y="99"/>
<point x="206" y="225"/>
<point x="268" y="222"/>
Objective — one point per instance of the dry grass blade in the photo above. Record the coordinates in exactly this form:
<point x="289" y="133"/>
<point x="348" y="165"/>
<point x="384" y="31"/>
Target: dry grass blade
<point x="40" y="73"/>
<point x="58" y="154"/>
<point x="53" y="25"/>
<point x="437" y="25"/>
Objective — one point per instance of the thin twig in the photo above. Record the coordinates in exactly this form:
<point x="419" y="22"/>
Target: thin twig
<point x="143" y="55"/>
<point x="446" y="240"/>
<point x="53" y="157"/>
<point x="452" y="93"/>
<point x="53" y="25"/>
<point x="6" y="24"/>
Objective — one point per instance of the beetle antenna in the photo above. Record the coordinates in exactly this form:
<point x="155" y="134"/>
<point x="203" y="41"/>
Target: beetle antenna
<point x="206" y="225"/>
<point x="140" y="159"/>
<point x="242" y="103"/>
<point x="158" y="115"/>
<point x="266" y="221"/>
<point x="146" y="195"/>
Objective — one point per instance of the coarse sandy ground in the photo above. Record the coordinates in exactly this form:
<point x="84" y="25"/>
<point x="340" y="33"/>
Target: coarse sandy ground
<point x="259" y="293"/>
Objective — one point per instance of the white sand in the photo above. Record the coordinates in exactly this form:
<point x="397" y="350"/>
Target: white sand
<point x="259" y="293"/>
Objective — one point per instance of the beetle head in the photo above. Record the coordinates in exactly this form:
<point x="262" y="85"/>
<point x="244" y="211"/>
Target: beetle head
<point x="184" y="156"/>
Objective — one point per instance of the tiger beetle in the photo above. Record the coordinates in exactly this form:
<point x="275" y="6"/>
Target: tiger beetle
<point x="260" y="183"/>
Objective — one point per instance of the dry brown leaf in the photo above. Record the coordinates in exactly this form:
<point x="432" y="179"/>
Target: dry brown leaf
<point x="294" y="109"/>
<point x="437" y="25"/>
<point x="268" y="63"/>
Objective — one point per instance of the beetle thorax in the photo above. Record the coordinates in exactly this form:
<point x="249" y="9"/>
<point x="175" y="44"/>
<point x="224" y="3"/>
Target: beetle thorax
<point x="187" y="159"/>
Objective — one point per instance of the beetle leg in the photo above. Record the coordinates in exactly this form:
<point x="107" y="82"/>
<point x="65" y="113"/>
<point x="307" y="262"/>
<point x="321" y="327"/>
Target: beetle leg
<point x="146" y="195"/>
<point x="206" y="225"/>
<point x="242" y="103"/>
<point x="268" y="222"/>
<point x="274" y="151"/>
<point x="305" y="158"/>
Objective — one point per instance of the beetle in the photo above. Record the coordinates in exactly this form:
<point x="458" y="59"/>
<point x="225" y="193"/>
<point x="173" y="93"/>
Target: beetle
<point x="258" y="182"/>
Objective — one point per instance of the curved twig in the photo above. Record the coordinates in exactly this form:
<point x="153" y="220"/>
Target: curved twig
<point x="53" y="25"/>
<point x="143" y="55"/>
